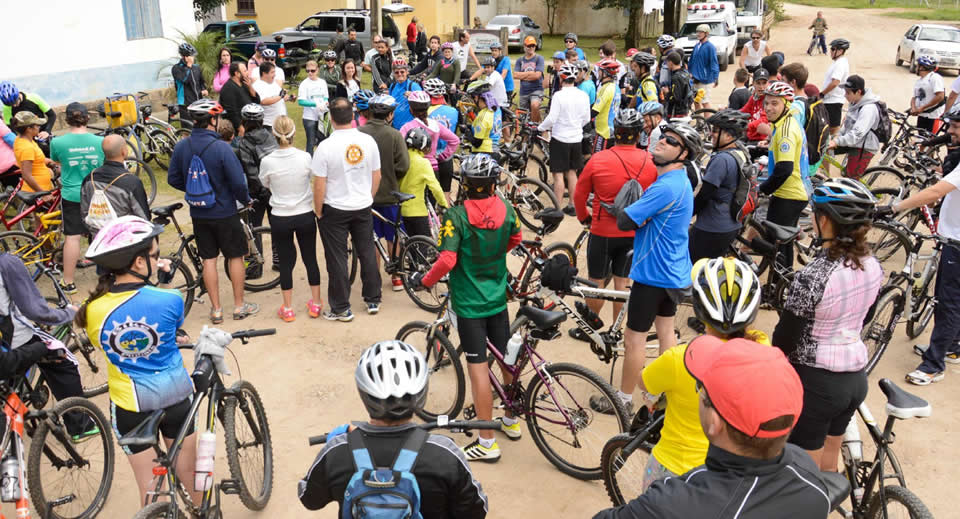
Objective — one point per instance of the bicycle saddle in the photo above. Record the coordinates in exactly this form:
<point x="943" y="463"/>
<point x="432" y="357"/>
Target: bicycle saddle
<point x="901" y="404"/>
<point x="550" y="217"/>
<point x="166" y="210"/>
<point x="31" y="197"/>
<point x="146" y="433"/>
<point x="838" y="488"/>
<point x="780" y="233"/>
<point x="402" y="197"/>
<point x="542" y="319"/>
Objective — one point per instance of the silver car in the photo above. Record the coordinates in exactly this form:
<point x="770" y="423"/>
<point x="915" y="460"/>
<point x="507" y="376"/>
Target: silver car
<point x="518" y="26"/>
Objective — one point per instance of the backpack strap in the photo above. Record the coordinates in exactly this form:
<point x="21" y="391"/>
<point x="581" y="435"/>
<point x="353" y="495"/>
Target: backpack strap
<point x="361" y="456"/>
<point x="407" y="457"/>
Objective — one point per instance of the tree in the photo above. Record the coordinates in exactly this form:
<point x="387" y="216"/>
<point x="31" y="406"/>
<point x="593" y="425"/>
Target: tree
<point x="202" y="7"/>
<point x="551" y="6"/>
<point x="671" y="16"/>
<point x="635" y="7"/>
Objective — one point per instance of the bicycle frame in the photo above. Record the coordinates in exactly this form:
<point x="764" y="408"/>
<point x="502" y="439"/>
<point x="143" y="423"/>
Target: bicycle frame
<point x="400" y="236"/>
<point x="39" y="204"/>
<point x="47" y="241"/>
<point x="852" y="450"/>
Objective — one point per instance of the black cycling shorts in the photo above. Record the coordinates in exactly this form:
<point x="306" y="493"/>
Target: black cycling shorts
<point x="216" y="235"/>
<point x="445" y="174"/>
<point x="565" y="157"/>
<point x="606" y="256"/>
<point x="125" y="421"/>
<point x="835" y="113"/>
<point x="72" y="219"/>
<point x="475" y="332"/>
<point x="829" y="401"/>
<point x="646" y="303"/>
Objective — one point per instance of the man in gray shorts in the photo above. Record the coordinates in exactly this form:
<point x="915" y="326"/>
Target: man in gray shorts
<point x="529" y="70"/>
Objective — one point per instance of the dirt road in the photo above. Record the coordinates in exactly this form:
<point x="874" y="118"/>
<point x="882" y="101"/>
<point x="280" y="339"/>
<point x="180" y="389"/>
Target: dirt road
<point x="305" y="373"/>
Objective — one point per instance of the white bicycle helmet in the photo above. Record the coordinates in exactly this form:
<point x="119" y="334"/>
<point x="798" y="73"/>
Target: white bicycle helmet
<point x="392" y="380"/>
<point x="435" y="87"/>
<point x="726" y="294"/>
<point x="251" y="112"/>
<point x="268" y="54"/>
<point x="665" y="41"/>
<point x="121" y="241"/>
<point x="567" y="71"/>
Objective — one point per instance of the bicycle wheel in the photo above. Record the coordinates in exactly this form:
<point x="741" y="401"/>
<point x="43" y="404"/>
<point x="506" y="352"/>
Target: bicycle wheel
<point x="160" y="510"/>
<point x="353" y="261"/>
<point x="580" y="245"/>
<point x="623" y="477"/>
<point x="565" y="428"/>
<point x="537" y="168"/>
<point x="685" y="323"/>
<point x="888" y="243"/>
<point x="142" y="171"/>
<point x="184" y="281"/>
<point x="447" y="388"/>
<point x="73" y="476"/>
<point x="530" y="196"/>
<point x="92" y="364"/>
<point x="260" y="275"/>
<point x="26" y="247"/>
<point x="878" y="331"/>
<point x="419" y="254"/>
<point x="161" y="144"/>
<point x="248" y="444"/>
<point x="923" y="309"/>
<point x="879" y="177"/>
<point x="899" y="502"/>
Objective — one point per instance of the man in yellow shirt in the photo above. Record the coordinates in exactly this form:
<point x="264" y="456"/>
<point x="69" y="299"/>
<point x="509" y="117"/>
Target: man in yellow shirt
<point x="726" y="297"/>
<point x="34" y="167"/>
<point x="607" y="105"/>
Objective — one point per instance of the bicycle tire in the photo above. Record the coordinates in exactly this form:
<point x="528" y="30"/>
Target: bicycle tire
<point x="248" y="397"/>
<point x="879" y="177"/>
<point x="418" y="255"/>
<point x="160" y="510"/>
<point x="268" y="278"/>
<point x="561" y="374"/>
<point x="187" y="286"/>
<point x="888" y="242"/>
<point x="162" y="143"/>
<point x="901" y="495"/>
<point x="580" y="245"/>
<point x="24" y="246"/>
<point x="612" y="465"/>
<point x="148" y="148"/>
<point x="445" y="369"/>
<point x="353" y="260"/>
<point x="43" y="447"/>
<point x="527" y="198"/>
<point x="878" y="331"/>
<point x="142" y="171"/>
<point x="916" y="326"/>
<point x="15" y="206"/>
<point x="91" y="363"/>
<point x="543" y="174"/>
<point x="530" y="284"/>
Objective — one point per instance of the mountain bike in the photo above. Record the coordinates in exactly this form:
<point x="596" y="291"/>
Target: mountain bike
<point x="870" y="495"/>
<point x="248" y="443"/>
<point x="555" y="403"/>
<point x="20" y="205"/>
<point x="256" y="263"/>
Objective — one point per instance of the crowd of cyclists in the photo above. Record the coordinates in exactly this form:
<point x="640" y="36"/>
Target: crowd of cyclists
<point x="658" y="195"/>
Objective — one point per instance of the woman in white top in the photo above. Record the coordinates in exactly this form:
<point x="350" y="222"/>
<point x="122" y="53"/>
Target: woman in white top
<point x="349" y="83"/>
<point x="754" y="52"/>
<point x="286" y="173"/>
<point x="313" y="98"/>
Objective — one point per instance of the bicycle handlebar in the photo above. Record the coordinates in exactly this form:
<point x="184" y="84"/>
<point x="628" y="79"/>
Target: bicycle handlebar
<point x="441" y="423"/>
<point x="586" y="282"/>
<point x="246" y="334"/>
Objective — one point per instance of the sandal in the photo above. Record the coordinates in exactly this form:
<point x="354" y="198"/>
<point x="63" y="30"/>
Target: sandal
<point x="314" y="309"/>
<point x="919" y="378"/>
<point x="245" y="311"/>
<point x="286" y="314"/>
<point x="216" y="316"/>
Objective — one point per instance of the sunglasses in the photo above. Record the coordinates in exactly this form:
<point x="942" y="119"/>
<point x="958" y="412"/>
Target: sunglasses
<point x="311" y="70"/>
<point x="569" y="41"/>
<point x="530" y="46"/>
<point x="755" y="38"/>
<point x="671" y="140"/>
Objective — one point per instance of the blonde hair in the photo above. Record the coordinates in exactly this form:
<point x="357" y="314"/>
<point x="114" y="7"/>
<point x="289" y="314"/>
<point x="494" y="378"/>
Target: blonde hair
<point x="314" y="63"/>
<point x="283" y="130"/>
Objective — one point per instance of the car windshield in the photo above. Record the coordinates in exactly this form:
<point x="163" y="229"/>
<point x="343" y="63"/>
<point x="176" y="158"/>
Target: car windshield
<point x="505" y="20"/>
<point x="689" y="30"/>
<point x="940" y="34"/>
<point x="242" y="30"/>
<point x="748" y="7"/>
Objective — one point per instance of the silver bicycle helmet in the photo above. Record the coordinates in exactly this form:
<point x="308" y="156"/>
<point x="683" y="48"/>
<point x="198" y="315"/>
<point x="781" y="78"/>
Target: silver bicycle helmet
<point x="650" y="108"/>
<point x="690" y="136"/>
<point x="391" y="377"/>
<point x="435" y="87"/>
<point x="382" y="104"/>
<point x="726" y="294"/>
<point x="665" y="41"/>
<point x="269" y="54"/>
<point x="251" y="112"/>
<point x="571" y="36"/>
<point x="418" y="139"/>
<point x="628" y="118"/>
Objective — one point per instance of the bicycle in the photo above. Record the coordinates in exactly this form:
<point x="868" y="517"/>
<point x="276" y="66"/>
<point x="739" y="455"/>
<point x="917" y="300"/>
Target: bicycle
<point x="555" y="402"/>
<point x="870" y="495"/>
<point x="38" y="253"/>
<point x="142" y="153"/>
<point x="253" y="484"/>
<point x="159" y="138"/>
<point x="20" y="204"/>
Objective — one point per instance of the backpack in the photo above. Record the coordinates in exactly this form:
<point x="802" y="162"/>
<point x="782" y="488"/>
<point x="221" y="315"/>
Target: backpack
<point x="747" y="192"/>
<point x="101" y="211"/>
<point x="817" y="130"/>
<point x="385" y="492"/>
<point x="884" y="129"/>
<point x="681" y="92"/>
<point x="630" y="191"/>
<point x="198" y="190"/>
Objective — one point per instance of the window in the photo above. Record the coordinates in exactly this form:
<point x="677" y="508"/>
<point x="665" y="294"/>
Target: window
<point x="358" y="24"/>
<point x="483" y="2"/>
<point x="246" y="7"/>
<point x="310" y="24"/>
<point x="142" y="19"/>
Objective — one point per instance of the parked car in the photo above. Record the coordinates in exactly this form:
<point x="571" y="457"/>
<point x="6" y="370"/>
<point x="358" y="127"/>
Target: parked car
<point x="518" y="26"/>
<point x="322" y="26"/>
<point x="243" y="35"/>
<point x="941" y="41"/>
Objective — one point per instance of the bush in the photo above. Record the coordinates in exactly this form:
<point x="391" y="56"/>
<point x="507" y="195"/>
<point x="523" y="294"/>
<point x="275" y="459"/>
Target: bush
<point x="779" y="11"/>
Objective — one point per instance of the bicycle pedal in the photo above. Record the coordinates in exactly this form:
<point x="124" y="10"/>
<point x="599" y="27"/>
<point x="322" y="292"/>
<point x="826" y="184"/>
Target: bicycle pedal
<point x="470" y="412"/>
<point x="230" y="487"/>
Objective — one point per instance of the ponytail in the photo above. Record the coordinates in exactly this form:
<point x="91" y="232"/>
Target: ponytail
<point x="103" y="286"/>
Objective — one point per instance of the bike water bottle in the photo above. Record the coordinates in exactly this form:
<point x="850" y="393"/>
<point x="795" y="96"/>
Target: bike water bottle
<point x="513" y="348"/>
<point x="10" y="479"/>
<point x="203" y="472"/>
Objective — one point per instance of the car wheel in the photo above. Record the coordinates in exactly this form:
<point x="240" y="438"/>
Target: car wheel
<point x="899" y="61"/>
<point x="913" y="64"/>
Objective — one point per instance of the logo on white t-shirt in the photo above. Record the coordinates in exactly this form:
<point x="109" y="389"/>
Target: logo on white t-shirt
<point x="354" y="155"/>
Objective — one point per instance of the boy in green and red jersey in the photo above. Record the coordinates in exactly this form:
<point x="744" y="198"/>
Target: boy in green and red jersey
<point x="474" y="242"/>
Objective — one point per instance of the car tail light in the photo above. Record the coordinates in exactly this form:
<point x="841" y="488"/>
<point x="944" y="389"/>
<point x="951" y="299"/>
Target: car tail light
<point x="515" y="31"/>
<point x="282" y="52"/>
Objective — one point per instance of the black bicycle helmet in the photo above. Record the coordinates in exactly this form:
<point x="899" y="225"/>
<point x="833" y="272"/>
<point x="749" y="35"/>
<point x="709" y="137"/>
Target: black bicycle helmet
<point x="645" y="58"/>
<point x="845" y="201"/>
<point x="480" y="173"/>
<point x="186" y="49"/>
<point x="731" y="121"/>
<point x="488" y="62"/>
<point x="418" y="139"/>
<point x="392" y="379"/>
<point x="840" y="43"/>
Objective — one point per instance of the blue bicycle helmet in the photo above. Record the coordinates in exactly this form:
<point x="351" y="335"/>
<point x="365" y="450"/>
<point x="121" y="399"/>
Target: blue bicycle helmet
<point x="9" y="93"/>
<point x="361" y="100"/>
<point x="650" y="108"/>
<point x="560" y="55"/>
<point x="845" y="201"/>
<point x="927" y="61"/>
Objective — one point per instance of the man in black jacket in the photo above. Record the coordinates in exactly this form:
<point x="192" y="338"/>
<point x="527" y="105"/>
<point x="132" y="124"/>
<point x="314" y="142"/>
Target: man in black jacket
<point x="237" y="93"/>
<point x="750" y="398"/>
<point x="353" y="49"/>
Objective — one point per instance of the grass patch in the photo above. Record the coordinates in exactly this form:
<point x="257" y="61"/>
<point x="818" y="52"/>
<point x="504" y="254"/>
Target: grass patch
<point x="938" y="15"/>
<point x="941" y="12"/>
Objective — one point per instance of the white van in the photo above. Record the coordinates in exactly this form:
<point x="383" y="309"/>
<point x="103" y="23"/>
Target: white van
<point x="722" y="19"/>
<point x="753" y="15"/>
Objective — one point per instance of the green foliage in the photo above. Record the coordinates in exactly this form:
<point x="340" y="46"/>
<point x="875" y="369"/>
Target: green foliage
<point x="942" y="15"/>
<point x="779" y="10"/>
<point x="208" y="51"/>
<point x="200" y="7"/>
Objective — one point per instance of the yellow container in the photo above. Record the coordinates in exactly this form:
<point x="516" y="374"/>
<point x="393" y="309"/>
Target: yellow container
<point x="121" y="110"/>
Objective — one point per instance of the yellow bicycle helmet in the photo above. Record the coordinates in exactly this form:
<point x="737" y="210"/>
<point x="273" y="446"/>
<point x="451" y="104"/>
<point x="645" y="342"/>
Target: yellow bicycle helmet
<point x="726" y="294"/>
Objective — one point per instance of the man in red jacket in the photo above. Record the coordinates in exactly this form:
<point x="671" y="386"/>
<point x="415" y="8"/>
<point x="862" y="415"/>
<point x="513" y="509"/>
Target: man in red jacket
<point x="754" y="107"/>
<point x="412" y="37"/>
<point x="606" y="172"/>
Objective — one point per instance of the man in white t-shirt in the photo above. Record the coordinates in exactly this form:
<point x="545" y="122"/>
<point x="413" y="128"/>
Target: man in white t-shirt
<point x="946" y="318"/>
<point x="368" y="56"/>
<point x="270" y="56"/>
<point x="952" y="94"/>
<point x="272" y="97"/>
<point x="928" y="94"/>
<point x="832" y="90"/>
<point x="462" y="49"/>
<point x="346" y="170"/>
<point x="497" y="88"/>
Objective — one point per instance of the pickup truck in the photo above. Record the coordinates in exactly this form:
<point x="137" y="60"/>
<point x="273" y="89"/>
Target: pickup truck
<point x="243" y="36"/>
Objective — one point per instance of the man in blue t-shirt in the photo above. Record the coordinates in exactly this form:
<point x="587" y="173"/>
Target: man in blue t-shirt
<point x="503" y="67"/>
<point x="570" y="41"/>
<point x="661" y="260"/>
<point x="529" y="70"/>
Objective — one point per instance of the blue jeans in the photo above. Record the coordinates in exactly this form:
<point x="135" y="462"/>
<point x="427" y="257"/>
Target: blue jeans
<point x="818" y="40"/>
<point x="312" y="130"/>
<point x="946" y="315"/>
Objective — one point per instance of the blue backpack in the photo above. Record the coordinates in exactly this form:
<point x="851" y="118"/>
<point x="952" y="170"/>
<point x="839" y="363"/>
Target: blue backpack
<point x="385" y="492"/>
<point x="199" y="191"/>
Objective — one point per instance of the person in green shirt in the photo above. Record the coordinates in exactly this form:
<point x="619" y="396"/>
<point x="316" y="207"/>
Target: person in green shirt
<point x="474" y="240"/>
<point x="78" y="152"/>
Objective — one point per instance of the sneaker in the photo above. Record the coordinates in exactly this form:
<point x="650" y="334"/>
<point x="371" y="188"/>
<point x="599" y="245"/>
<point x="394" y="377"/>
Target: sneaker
<point x="397" y="282"/>
<point x="577" y="333"/>
<point x="92" y="430"/>
<point x="314" y="309"/>
<point x="373" y="308"/>
<point x="477" y="452"/>
<point x="514" y="432"/>
<point x="245" y="311"/>
<point x="286" y="314"/>
<point x="570" y="211"/>
<point x="950" y="358"/>
<point x="346" y="316"/>
<point x="69" y="288"/>
<point x="601" y="404"/>
<point x="919" y="378"/>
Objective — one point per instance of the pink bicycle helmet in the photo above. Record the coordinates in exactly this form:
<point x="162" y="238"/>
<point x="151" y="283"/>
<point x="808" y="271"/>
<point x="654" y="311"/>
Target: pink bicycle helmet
<point x="418" y="99"/>
<point x="121" y="241"/>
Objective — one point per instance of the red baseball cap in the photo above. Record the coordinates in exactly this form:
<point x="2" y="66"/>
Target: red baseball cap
<point x="748" y="383"/>
<point x="631" y="52"/>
